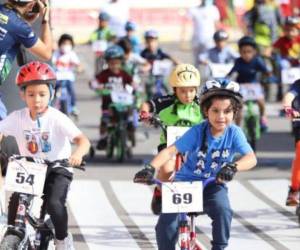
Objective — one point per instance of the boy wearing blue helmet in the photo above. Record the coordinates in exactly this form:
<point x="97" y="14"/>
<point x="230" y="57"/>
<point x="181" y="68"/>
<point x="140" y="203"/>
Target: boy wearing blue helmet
<point x="152" y="51"/>
<point x="113" y="75"/>
<point x="130" y="28"/>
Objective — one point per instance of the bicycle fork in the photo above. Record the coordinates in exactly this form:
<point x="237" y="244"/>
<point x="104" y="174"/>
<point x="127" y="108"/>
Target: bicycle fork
<point x="187" y="234"/>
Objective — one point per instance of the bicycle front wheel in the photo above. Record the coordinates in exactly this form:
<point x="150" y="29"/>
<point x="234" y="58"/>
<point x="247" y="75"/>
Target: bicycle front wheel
<point x="10" y="242"/>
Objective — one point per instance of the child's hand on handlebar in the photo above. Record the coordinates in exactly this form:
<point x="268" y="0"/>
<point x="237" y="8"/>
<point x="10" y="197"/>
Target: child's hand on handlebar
<point x="226" y="173"/>
<point x="75" y="160"/>
<point x="145" y="175"/>
<point x="291" y="113"/>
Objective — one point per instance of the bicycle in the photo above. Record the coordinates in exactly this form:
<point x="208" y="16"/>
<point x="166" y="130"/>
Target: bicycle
<point x="251" y="92"/>
<point x="26" y="176"/>
<point x="183" y="198"/>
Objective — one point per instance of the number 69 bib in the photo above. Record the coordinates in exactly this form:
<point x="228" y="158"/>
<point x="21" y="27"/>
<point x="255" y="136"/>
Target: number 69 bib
<point x="25" y="177"/>
<point x="182" y="197"/>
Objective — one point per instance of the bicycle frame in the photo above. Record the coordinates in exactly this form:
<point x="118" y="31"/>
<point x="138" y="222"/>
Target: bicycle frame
<point x="44" y="228"/>
<point x="187" y="236"/>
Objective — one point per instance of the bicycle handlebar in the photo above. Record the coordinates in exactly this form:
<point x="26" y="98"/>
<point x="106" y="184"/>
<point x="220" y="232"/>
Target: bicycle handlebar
<point x="204" y="182"/>
<point x="62" y="162"/>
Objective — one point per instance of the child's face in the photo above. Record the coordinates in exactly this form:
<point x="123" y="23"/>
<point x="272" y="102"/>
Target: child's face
<point x="102" y="24"/>
<point x="151" y="43"/>
<point x="292" y="32"/>
<point x="220" y="115"/>
<point x="66" y="46"/>
<point x="221" y="44"/>
<point x="186" y="95"/>
<point x="115" y="65"/>
<point x="247" y="53"/>
<point x="37" y="98"/>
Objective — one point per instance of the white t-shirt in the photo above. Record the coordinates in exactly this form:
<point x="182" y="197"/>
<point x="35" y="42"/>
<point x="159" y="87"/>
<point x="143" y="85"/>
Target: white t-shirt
<point x="51" y="141"/>
<point x="65" y="64"/>
<point x="204" y="19"/>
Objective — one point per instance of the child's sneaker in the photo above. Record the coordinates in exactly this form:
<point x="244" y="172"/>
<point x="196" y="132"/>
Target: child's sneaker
<point x="156" y="201"/>
<point x="263" y="124"/>
<point x="65" y="244"/>
<point x="102" y="143"/>
<point x="292" y="198"/>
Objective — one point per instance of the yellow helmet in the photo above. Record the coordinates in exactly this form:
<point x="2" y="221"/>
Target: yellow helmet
<point x="185" y="75"/>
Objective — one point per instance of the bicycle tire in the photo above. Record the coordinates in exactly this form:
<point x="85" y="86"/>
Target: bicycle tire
<point x="110" y="146"/>
<point x="298" y="213"/>
<point x="251" y="131"/>
<point x="10" y="242"/>
<point x="121" y="146"/>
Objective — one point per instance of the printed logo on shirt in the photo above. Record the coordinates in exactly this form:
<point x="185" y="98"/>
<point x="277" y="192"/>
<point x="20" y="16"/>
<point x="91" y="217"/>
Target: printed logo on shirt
<point x="3" y="33"/>
<point x="3" y="19"/>
<point x="31" y="34"/>
<point x="37" y="141"/>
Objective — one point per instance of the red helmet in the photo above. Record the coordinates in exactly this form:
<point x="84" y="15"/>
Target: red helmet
<point x="35" y="72"/>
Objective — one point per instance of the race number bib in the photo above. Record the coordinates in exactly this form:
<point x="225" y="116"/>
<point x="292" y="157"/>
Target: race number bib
<point x="174" y="133"/>
<point x="220" y="69"/>
<point x="289" y="76"/>
<point x="25" y="177"/>
<point x="161" y="68"/>
<point x="251" y="91"/>
<point x="122" y="97"/>
<point x="99" y="46"/>
<point x="182" y="197"/>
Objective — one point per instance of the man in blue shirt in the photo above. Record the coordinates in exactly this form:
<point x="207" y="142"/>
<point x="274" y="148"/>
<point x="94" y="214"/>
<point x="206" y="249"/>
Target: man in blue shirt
<point x="15" y="30"/>
<point x="210" y="148"/>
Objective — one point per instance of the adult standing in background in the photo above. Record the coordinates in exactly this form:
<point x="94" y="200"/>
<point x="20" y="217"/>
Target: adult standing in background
<point x="205" y="18"/>
<point x="118" y="11"/>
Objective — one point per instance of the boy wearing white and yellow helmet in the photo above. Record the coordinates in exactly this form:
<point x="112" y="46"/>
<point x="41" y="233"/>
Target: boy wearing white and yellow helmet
<point x="180" y="109"/>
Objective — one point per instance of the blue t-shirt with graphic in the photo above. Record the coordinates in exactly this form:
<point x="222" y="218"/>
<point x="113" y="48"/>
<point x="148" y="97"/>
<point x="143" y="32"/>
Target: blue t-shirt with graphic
<point x="14" y="32"/>
<point x="247" y="72"/>
<point x="220" y="150"/>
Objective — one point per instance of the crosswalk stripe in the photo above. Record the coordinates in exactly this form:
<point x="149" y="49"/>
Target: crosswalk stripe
<point x="98" y="222"/>
<point x="136" y="198"/>
<point x="283" y="233"/>
<point x="275" y="189"/>
<point x="258" y="223"/>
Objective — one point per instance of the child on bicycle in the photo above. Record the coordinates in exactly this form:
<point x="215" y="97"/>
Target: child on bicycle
<point x="66" y="62"/>
<point x="115" y="76"/>
<point x="152" y="50"/>
<point x="130" y="28"/>
<point x="288" y="46"/>
<point x="221" y="53"/>
<point x="103" y="32"/>
<point x="246" y="69"/>
<point x="290" y="96"/>
<point x="211" y="147"/>
<point x="44" y="132"/>
<point x="180" y="109"/>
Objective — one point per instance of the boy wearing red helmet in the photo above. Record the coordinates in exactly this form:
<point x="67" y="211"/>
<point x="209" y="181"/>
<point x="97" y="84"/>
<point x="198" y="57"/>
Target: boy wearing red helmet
<point x="44" y="132"/>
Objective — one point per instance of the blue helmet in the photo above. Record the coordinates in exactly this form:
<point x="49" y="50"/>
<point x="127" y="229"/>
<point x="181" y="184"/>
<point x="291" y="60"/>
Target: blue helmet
<point x="114" y="52"/>
<point x="103" y="16"/>
<point x="130" y="26"/>
<point x="151" y="34"/>
<point x="221" y="87"/>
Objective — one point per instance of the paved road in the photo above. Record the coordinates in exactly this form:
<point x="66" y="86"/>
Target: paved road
<point x="108" y="211"/>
